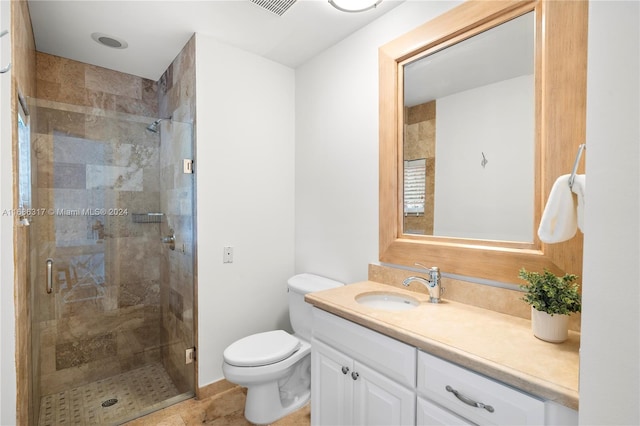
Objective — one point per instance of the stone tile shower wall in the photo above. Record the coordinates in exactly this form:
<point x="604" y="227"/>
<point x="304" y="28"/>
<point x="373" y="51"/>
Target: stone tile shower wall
<point x="93" y="152"/>
<point x="420" y="142"/>
<point x="176" y="90"/>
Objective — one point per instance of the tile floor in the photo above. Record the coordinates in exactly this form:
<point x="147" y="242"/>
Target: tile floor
<point x="223" y="409"/>
<point x="139" y="390"/>
<point x="136" y="390"/>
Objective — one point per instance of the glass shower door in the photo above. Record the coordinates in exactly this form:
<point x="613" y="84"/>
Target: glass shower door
<point x="177" y="257"/>
<point x="112" y="302"/>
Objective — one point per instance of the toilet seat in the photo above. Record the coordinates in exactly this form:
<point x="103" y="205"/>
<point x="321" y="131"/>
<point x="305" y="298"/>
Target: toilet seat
<point x="261" y="349"/>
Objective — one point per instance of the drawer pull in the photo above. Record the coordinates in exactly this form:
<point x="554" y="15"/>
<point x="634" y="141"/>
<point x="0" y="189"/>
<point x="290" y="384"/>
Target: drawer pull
<point x="345" y="370"/>
<point x="468" y="400"/>
<point x="355" y="375"/>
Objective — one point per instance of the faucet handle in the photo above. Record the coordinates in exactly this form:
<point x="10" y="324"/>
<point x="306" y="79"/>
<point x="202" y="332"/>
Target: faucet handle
<point x="432" y="269"/>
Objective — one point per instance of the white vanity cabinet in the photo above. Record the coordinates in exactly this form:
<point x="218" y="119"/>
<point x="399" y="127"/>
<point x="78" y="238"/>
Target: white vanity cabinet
<point x="347" y="392"/>
<point x="473" y="397"/>
<point x="360" y="377"/>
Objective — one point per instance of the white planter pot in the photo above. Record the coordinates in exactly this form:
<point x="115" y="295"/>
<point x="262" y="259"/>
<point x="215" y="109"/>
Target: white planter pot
<point x="550" y="328"/>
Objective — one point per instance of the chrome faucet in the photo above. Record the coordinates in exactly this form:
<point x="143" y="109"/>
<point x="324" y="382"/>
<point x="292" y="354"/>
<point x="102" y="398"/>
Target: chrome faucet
<point x="432" y="283"/>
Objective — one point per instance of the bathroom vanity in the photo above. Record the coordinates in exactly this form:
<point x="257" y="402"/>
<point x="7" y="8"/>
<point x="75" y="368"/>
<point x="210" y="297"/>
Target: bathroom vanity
<point x="428" y="364"/>
<point x="385" y="355"/>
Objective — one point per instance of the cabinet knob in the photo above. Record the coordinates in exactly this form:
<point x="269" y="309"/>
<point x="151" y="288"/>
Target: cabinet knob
<point x="345" y="370"/>
<point x="355" y="375"/>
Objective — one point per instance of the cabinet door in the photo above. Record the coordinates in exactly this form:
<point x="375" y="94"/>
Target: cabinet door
<point x="331" y="386"/>
<point x="381" y="401"/>
<point x="430" y="414"/>
<point x="382" y="353"/>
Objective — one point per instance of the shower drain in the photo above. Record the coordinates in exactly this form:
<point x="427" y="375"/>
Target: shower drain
<point x="110" y="402"/>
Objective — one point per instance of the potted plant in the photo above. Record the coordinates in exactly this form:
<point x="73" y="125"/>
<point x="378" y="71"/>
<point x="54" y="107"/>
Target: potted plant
<point x="552" y="299"/>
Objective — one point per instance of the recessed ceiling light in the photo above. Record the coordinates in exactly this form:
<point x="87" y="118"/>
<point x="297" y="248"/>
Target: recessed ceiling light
<point x="354" y="5"/>
<point x="109" y="41"/>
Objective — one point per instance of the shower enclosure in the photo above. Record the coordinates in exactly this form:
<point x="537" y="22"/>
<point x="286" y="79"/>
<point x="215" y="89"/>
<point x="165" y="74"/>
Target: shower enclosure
<point x="112" y="268"/>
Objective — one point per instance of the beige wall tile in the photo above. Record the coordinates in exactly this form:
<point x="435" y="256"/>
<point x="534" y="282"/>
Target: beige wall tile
<point x="108" y="81"/>
<point x="503" y="300"/>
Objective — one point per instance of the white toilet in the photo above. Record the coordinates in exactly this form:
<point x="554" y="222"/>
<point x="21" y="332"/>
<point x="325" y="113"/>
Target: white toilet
<point x="275" y="366"/>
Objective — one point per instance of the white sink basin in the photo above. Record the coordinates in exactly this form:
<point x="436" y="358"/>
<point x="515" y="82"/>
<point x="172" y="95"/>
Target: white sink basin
<point x="387" y="301"/>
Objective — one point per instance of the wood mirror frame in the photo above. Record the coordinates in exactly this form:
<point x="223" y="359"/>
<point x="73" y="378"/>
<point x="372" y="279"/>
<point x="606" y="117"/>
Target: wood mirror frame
<point x="560" y="123"/>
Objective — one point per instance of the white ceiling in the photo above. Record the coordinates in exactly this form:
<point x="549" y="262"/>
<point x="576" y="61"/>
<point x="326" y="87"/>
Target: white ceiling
<point x="156" y="31"/>
<point x="501" y="53"/>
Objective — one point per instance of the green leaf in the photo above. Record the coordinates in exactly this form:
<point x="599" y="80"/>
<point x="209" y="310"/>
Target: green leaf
<point x="549" y="293"/>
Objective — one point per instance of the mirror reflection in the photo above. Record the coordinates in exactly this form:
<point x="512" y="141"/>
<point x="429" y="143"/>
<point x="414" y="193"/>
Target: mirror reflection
<point x="469" y="137"/>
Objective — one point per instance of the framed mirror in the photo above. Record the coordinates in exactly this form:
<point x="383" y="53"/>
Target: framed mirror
<point x="481" y="109"/>
<point x="463" y="105"/>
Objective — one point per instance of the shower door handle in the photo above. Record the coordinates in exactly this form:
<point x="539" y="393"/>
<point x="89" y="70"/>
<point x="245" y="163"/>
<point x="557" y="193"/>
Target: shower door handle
<point x="49" y="275"/>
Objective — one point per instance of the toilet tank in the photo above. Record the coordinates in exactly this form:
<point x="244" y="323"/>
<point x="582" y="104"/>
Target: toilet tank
<point x="299" y="310"/>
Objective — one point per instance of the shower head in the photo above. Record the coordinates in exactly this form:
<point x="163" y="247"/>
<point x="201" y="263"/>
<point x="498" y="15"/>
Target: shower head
<point x="153" y="127"/>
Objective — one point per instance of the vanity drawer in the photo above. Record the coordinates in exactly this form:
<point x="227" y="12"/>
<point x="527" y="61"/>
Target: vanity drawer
<point x="388" y="356"/>
<point x="503" y="405"/>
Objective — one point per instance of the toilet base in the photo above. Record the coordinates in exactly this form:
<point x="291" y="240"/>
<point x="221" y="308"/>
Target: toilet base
<point x="263" y="405"/>
<point x="272" y="400"/>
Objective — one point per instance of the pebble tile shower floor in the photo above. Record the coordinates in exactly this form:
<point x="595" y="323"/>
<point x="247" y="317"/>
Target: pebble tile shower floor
<point x="135" y="391"/>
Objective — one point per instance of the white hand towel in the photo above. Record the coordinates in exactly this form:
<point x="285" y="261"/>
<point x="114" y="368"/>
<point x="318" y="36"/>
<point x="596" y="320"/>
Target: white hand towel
<point x="578" y="189"/>
<point x="559" y="220"/>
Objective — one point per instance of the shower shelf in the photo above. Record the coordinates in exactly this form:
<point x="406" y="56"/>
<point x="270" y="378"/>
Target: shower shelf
<point x="147" y="217"/>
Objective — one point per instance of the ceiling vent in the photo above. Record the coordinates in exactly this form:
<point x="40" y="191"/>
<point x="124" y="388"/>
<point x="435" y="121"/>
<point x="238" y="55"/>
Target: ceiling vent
<point x="279" y="7"/>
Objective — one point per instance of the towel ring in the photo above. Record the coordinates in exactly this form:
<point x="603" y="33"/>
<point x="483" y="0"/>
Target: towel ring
<point x="581" y="148"/>
<point x="8" y="67"/>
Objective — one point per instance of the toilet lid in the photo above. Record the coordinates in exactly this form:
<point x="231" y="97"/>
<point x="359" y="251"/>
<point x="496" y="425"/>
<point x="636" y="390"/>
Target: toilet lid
<point x="261" y="349"/>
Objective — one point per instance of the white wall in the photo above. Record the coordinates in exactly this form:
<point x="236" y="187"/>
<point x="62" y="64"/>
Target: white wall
<point x="337" y="147"/>
<point x="7" y="311"/>
<point x="337" y="186"/>
<point x="245" y="188"/>
<point x="494" y="202"/>
<point x="610" y="354"/>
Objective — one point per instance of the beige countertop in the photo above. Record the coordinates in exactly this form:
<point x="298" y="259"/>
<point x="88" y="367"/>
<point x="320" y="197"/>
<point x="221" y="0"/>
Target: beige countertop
<point x="497" y="345"/>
